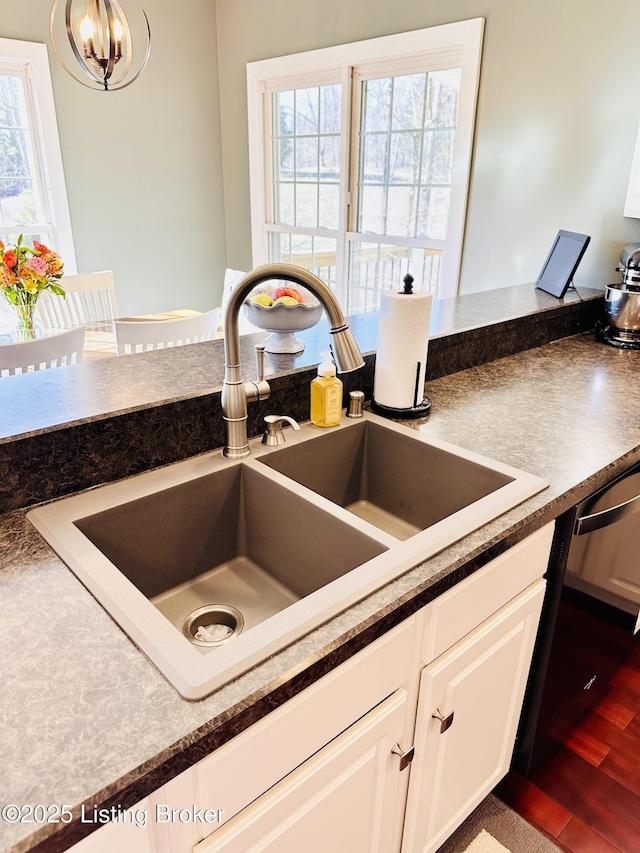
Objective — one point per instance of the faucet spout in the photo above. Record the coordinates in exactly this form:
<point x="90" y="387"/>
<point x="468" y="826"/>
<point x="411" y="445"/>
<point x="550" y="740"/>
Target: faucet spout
<point x="235" y="393"/>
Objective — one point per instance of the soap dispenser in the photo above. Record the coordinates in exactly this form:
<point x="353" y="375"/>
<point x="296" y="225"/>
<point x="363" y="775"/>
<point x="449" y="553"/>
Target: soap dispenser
<point x="326" y="394"/>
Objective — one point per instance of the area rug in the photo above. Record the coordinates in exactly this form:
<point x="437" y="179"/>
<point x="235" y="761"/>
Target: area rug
<point x="495" y="828"/>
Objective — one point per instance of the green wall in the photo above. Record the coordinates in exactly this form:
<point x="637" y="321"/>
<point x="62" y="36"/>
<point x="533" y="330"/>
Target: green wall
<point x="556" y="126"/>
<point x="555" y="131"/>
<point x="143" y="165"/>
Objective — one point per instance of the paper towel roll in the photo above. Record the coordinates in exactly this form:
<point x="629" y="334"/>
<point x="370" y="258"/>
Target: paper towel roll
<point x="401" y="358"/>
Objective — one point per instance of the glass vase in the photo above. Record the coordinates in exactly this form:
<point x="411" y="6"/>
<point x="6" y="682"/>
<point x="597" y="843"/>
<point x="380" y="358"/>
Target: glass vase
<point x="25" y="329"/>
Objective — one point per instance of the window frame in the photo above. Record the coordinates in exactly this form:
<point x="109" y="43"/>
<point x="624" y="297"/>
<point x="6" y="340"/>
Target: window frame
<point x="30" y="60"/>
<point x="460" y="41"/>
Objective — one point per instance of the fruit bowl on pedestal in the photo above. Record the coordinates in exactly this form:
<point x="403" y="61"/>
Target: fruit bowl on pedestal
<point x="283" y="317"/>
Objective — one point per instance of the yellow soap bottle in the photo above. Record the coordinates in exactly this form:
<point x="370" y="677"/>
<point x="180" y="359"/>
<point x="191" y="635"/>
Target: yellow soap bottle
<point x="326" y="394"/>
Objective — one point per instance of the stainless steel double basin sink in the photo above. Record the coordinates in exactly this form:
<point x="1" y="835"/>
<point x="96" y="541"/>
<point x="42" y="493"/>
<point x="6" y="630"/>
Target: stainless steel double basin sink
<point x="212" y="565"/>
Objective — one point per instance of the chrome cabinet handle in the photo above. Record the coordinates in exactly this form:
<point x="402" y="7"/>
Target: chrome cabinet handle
<point x="405" y="757"/>
<point x="445" y="722"/>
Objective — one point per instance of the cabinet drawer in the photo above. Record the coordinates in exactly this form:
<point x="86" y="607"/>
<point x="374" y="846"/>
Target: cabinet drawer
<point x="458" y="611"/>
<point x="241" y="770"/>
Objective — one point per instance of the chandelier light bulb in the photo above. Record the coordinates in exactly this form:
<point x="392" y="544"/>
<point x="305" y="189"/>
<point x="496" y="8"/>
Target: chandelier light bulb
<point x="86" y="28"/>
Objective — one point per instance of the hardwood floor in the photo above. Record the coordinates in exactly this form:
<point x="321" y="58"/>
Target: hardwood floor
<point x="583" y="790"/>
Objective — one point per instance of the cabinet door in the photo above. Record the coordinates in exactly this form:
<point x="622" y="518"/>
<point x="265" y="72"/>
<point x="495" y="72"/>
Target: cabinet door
<point x="240" y="771"/>
<point x="632" y="201"/>
<point x="348" y="797"/>
<point x="477" y="687"/>
<point x="132" y="832"/>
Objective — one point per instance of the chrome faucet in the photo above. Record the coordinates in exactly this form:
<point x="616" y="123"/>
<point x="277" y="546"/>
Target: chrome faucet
<point x="236" y="393"/>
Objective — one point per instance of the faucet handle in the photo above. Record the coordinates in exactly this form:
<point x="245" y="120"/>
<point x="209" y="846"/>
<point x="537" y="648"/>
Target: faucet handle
<point x="258" y="389"/>
<point x="274" y="436"/>
<point x="259" y="348"/>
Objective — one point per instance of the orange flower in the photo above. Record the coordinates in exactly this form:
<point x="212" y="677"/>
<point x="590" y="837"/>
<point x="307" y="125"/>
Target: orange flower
<point x="7" y="278"/>
<point x="10" y="259"/>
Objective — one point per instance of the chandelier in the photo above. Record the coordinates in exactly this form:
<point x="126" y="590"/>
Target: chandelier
<point x="99" y="44"/>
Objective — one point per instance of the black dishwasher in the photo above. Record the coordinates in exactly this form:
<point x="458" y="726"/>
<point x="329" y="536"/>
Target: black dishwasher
<point x="593" y="591"/>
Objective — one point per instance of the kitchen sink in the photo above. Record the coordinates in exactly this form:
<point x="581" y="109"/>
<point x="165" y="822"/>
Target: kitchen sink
<point x="388" y="478"/>
<point x="212" y="565"/>
<point x="231" y="537"/>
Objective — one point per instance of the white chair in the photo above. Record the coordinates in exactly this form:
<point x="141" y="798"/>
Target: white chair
<point x="56" y="350"/>
<point x="142" y="335"/>
<point x="90" y="298"/>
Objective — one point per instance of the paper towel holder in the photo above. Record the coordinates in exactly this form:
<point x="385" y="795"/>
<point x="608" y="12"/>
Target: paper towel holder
<point x="407" y="290"/>
<point x="419" y="409"/>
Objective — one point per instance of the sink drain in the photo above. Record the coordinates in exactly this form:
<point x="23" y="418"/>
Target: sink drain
<point x="213" y="625"/>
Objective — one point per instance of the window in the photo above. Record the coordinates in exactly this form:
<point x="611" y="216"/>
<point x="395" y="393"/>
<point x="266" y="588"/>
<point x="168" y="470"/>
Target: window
<point x="360" y="160"/>
<point x="33" y="198"/>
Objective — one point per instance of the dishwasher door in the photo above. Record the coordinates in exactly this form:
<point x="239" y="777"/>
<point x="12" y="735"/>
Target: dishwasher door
<point x="596" y="550"/>
<point x="604" y="550"/>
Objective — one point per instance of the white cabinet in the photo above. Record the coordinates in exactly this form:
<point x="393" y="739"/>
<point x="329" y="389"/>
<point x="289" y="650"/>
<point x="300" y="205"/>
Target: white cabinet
<point x="348" y="797"/>
<point x="241" y="770"/>
<point x="134" y="832"/>
<point x="468" y="710"/>
<point x="632" y="201"/>
<point x="322" y="773"/>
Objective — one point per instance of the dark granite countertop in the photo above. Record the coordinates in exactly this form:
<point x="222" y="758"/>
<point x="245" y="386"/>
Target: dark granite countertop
<point x="106" y="387"/>
<point x="124" y="415"/>
<point x="87" y="719"/>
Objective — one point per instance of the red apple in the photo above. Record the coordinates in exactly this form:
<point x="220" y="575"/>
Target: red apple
<point x="286" y="291"/>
